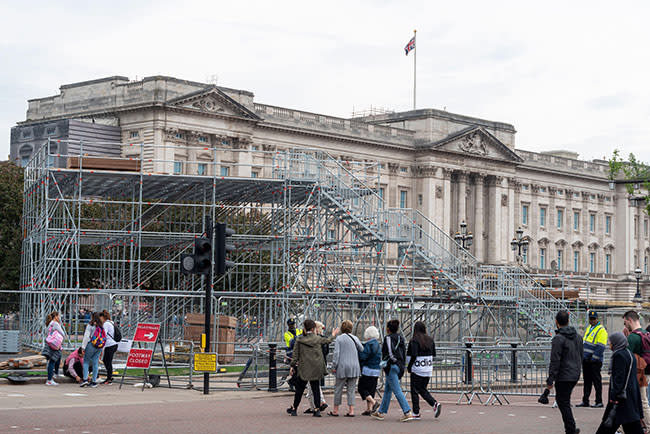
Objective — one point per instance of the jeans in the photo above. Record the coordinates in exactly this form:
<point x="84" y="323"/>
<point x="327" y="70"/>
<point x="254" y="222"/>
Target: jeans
<point x="391" y="387"/>
<point x="109" y="352"/>
<point x="563" y="391"/>
<point x="591" y="375"/>
<point x="50" y="369"/>
<point x="419" y="388"/>
<point x="91" y="354"/>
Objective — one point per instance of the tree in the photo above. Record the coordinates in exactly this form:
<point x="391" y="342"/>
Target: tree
<point x="635" y="174"/>
<point x="11" y="211"/>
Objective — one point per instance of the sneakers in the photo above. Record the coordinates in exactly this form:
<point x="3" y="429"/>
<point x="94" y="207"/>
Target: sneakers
<point x="107" y="382"/>
<point x="93" y="384"/>
<point x="416" y="416"/>
<point x="407" y="417"/>
<point x="377" y="415"/>
<point x="316" y="414"/>
<point x="292" y="411"/>
<point x="84" y="383"/>
<point x="437" y="408"/>
<point x="597" y="405"/>
<point x="51" y="383"/>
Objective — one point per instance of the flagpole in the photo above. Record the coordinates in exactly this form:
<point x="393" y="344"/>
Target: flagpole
<point x="415" y="51"/>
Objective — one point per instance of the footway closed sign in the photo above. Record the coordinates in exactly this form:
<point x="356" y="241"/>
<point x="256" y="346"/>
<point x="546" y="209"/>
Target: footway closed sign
<point x="139" y="358"/>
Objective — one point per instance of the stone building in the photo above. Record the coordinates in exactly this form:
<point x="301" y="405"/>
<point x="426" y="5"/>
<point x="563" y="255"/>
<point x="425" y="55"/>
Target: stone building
<point x="453" y="168"/>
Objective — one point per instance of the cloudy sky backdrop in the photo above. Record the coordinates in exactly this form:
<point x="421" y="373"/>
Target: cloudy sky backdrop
<point x="568" y="75"/>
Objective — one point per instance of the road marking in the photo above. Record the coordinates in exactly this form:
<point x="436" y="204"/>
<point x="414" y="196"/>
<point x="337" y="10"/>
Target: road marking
<point x="17" y="395"/>
<point x="37" y="429"/>
<point x="453" y="412"/>
<point x="13" y="427"/>
<point x="542" y="417"/>
<point x="75" y="394"/>
<point x="511" y="415"/>
<point x="481" y="412"/>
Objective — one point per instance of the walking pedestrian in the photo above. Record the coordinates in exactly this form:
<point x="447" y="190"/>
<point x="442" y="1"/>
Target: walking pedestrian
<point x="624" y="407"/>
<point x="93" y="341"/>
<point x="345" y="365"/>
<point x="593" y="342"/>
<point x="320" y="327"/>
<point x="111" y="345"/>
<point x="564" y="368"/>
<point x="632" y="323"/>
<point x="309" y="365"/>
<point x="369" y="360"/>
<point x="419" y="356"/>
<point x="393" y="352"/>
<point x="52" y="346"/>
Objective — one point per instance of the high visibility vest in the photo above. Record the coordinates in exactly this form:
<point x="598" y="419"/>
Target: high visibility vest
<point x="594" y="343"/>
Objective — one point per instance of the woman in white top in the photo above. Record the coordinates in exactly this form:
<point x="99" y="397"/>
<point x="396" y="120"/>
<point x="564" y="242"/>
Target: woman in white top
<point x="53" y="356"/>
<point x="111" y="346"/>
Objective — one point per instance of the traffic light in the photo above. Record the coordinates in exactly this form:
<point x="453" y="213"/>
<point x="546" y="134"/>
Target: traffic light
<point x="201" y="261"/>
<point x="202" y="255"/>
<point x="223" y="247"/>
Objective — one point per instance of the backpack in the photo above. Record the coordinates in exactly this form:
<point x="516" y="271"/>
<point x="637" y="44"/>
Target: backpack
<point x="645" y="348"/>
<point x="98" y="339"/>
<point x="116" y="332"/>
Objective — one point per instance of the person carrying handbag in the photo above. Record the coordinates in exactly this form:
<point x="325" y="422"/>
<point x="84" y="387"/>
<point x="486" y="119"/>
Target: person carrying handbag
<point x="624" y="406"/>
<point x="52" y="347"/>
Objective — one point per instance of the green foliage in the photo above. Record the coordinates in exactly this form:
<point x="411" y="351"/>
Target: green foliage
<point x="633" y="170"/>
<point x="11" y="211"/>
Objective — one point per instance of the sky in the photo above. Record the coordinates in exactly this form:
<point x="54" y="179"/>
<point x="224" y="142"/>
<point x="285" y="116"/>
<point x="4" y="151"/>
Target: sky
<point x="568" y="75"/>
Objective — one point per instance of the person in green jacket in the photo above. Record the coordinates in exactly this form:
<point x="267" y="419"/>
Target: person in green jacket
<point x="308" y="362"/>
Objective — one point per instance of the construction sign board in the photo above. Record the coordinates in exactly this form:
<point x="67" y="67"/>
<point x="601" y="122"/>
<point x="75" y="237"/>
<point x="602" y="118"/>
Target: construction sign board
<point x="205" y="362"/>
<point x="139" y="358"/>
<point x="146" y="332"/>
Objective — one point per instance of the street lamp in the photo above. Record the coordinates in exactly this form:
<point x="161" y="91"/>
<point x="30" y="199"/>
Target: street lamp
<point x="463" y="237"/>
<point x="637" y="273"/>
<point x="518" y="244"/>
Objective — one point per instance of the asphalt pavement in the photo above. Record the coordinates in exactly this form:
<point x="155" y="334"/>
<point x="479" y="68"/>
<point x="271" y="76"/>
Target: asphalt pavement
<point x="106" y="409"/>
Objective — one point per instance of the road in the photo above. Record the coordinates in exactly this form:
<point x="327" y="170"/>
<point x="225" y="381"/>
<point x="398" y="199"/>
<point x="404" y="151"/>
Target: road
<point x="67" y="408"/>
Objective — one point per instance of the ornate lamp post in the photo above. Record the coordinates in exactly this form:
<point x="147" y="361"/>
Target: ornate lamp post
<point x="518" y="244"/>
<point x="637" y="273"/>
<point x="464" y="238"/>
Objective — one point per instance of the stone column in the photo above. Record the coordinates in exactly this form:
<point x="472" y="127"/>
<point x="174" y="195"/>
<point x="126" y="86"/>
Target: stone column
<point x="462" y="196"/>
<point x="447" y="201"/>
<point x="479" y="219"/>
<point x="494" y="216"/>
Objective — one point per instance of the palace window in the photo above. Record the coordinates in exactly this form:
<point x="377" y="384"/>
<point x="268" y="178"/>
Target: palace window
<point x="542" y="217"/>
<point x="608" y="263"/>
<point x="403" y="199"/>
<point x="560" y="258"/>
<point x="381" y="192"/>
<point x="542" y="259"/>
<point x="560" y="217"/>
<point x="576" y="261"/>
<point x="178" y="167"/>
<point x="225" y="171"/>
<point x="202" y="168"/>
<point x="203" y="139"/>
<point x="180" y="136"/>
<point x="592" y="223"/>
<point x="576" y="220"/>
<point x="403" y="169"/>
<point x="524" y="214"/>
<point x="420" y="199"/>
<point x="135" y="134"/>
<point x="608" y="224"/>
<point x="254" y="174"/>
<point x="524" y="256"/>
<point x="331" y="234"/>
<point x="592" y="262"/>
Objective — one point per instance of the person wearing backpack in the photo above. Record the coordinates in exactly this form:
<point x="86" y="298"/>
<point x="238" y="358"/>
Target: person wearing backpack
<point x="113" y="336"/>
<point x="393" y="361"/>
<point x="93" y="342"/>
<point x="638" y="342"/>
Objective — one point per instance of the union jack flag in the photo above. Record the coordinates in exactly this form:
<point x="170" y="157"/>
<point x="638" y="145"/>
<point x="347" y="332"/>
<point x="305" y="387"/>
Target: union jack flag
<point x="410" y="46"/>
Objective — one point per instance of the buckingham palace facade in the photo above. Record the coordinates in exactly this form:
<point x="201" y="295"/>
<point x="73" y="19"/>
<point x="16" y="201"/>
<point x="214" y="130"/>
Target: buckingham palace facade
<point x="453" y="168"/>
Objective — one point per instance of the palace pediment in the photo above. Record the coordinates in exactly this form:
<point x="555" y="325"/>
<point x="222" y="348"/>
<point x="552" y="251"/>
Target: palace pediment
<point x="213" y="101"/>
<point x="476" y="142"/>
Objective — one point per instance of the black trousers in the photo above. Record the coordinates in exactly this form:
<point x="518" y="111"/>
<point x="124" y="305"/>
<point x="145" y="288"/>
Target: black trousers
<point x="591" y="375"/>
<point x="563" y="391"/>
<point x="78" y="368"/>
<point x="628" y="428"/>
<point x="109" y="352"/>
<point x="300" y="390"/>
<point x="419" y="388"/>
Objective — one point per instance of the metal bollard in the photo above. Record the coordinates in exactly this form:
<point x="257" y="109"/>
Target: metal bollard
<point x="513" y="364"/>
<point x="468" y="363"/>
<point x="273" y="373"/>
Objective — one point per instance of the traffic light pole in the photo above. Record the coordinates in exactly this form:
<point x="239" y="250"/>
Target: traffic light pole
<point x="207" y="280"/>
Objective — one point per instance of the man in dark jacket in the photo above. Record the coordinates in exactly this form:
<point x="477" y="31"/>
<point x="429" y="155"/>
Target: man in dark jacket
<point x="564" y="368"/>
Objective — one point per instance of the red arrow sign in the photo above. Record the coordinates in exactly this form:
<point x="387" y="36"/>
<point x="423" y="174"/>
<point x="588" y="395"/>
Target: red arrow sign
<point x="139" y="358"/>
<point x="146" y="332"/>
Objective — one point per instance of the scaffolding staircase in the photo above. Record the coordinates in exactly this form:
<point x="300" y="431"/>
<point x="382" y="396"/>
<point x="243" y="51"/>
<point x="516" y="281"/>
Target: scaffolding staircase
<point x="430" y="249"/>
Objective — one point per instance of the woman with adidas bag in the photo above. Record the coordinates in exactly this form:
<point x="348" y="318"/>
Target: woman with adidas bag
<point x="93" y="342"/>
<point x="111" y="345"/>
<point x="624" y="406"/>
<point x="52" y="348"/>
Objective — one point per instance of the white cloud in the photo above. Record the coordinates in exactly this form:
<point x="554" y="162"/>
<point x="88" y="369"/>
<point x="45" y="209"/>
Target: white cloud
<point x="567" y="75"/>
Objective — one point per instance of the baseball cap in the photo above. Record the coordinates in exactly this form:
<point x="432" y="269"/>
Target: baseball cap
<point x="291" y="321"/>
<point x="593" y="314"/>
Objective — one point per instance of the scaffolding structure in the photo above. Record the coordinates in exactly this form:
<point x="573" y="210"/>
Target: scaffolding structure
<point x="313" y="239"/>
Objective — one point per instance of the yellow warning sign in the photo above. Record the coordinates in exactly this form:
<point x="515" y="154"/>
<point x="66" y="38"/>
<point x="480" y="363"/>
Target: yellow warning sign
<point x="205" y="362"/>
